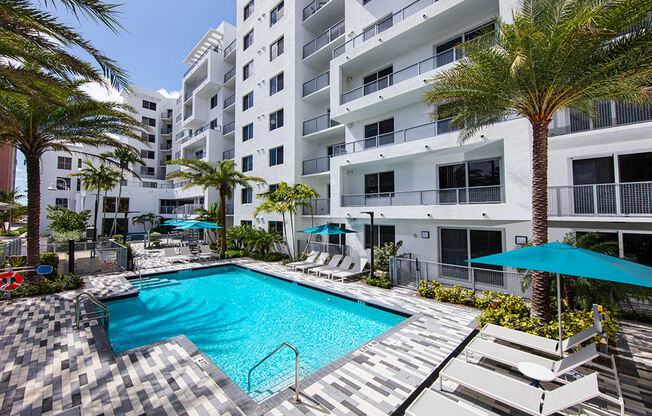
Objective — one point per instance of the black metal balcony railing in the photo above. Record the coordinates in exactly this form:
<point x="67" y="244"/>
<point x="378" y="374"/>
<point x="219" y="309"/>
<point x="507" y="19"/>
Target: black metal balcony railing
<point x="422" y="131"/>
<point x="187" y="115"/>
<point x="229" y="48"/>
<point x="383" y="25"/>
<point x="229" y="75"/>
<point x="166" y="130"/>
<point x="165" y="146"/>
<point x="229" y="101"/>
<point x="228" y="127"/>
<point x="316" y="84"/>
<point x="453" y="196"/>
<point x="324" y="39"/>
<point x="313" y="7"/>
<point x="228" y="154"/>
<point x="318" y="207"/>
<point x="178" y="118"/>
<point x="205" y="127"/>
<point x="190" y="90"/>
<point x="316" y="165"/>
<point x="607" y="199"/>
<point x="608" y="114"/>
<point x="215" y="48"/>
<point x="320" y="123"/>
<point x="180" y="135"/>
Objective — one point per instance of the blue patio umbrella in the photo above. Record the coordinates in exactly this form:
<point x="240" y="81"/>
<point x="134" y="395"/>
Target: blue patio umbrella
<point x="196" y="225"/>
<point x="327" y="229"/>
<point x="565" y="259"/>
<point x="173" y="221"/>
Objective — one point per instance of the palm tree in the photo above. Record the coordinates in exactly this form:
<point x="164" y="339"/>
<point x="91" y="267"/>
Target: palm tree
<point x="12" y="197"/>
<point x="97" y="179"/>
<point x="262" y="240"/>
<point x="36" y="127"/>
<point x="148" y="221"/>
<point x="555" y="54"/>
<point x="221" y="176"/>
<point x="274" y="203"/>
<point x="111" y="177"/>
<point x="123" y="157"/>
<point x="41" y="44"/>
<point x="212" y="214"/>
<point x="305" y="196"/>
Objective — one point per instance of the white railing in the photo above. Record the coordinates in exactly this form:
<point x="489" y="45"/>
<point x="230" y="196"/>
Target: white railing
<point x="607" y="114"/>
<point x="454" y="196"/>
<point x="319" y="123"/>
<point x="408" y="273"/>
<point x="320" y="206"/>
<point x="316" y="84"/>
<point x="608" y="199"/>
<point x="324" y="39"/>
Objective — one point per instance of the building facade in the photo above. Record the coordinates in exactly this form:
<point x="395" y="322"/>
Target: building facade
<point x="7" y="168"/>
<point x="330" y="94"/>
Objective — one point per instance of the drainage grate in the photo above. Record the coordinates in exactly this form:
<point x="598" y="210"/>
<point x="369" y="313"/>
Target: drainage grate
<point x="201" y="361"/>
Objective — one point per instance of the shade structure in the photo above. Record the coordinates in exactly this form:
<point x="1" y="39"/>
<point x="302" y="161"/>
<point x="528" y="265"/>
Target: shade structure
<point x="196" y="225"/>
<point x="565" y="259"/>
<point x="173" y="221"/>
<point x="327" y="229"/>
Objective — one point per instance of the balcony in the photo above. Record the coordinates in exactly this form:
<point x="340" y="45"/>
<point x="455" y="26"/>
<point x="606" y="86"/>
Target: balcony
<point x="229" y="75"/>
<point x="318" y="124"/>
<point x="454" y="196"/>
<point x="317" y="207"/>
<point x="166" y="114"/>
<point x="178" y="118"/>
<point x="228" y="128"/>
<point x="608" y="200"/>
<point x="165" y="146"/>
<point x="320" y="42"/>
<point x="190" y="90"/>
<point x="230" y="48"/>
<point x="228" y="154"/>
<point x="317" y="86"/>
<point x="313" y="8"/>
<point x="316" y="165"/>
<point x="608" y="114"/>
<point x="166" y="130"/>
<point x="228" y="102"/>
<point x="187" y="116"/>
<point x="180" y="135"/>
<point x="203" y="55"/>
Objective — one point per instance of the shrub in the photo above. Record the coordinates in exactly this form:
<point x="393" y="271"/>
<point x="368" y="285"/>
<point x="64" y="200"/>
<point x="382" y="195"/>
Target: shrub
<point x="60" y="284"/>
<point x="382" y="255"/>
<point x="130" y="257"/>
<point x="378" y="281"/>
<point x="67" y="220"/>
<point x="51" y="259"/>
<point x="64" y="236"/>
<point x="234" y="254"/>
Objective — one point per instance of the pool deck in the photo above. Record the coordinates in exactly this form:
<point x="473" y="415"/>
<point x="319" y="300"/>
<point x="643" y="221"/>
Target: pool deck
<point x="47" y="367"/>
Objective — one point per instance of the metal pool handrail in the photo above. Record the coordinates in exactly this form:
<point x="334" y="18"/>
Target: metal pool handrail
<point x="93" y="315"/>
<point x="296" y="369"/>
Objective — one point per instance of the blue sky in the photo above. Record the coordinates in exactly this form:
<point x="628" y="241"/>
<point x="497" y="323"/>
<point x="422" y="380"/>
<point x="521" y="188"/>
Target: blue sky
<point x="158" y="35"/>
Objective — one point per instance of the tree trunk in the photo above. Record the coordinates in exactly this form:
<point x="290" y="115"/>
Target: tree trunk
<point x="117" y="204"/>
<point x="33" y="213"/>
<point x="223" y="222"/>
<point x="104" y="211"/>
<point x="286" y="234"/>
<point x="568" y="293"/>
<point x="97" y="205"/>
<point x="294" y="240"/>
<point x="540" y="280"/>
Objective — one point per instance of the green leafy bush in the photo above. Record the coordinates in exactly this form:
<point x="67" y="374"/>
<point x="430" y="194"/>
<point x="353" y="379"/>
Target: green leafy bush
<point x="382" y="255"/>
<point x="64" y="236"/>
<point x="234" y="254"/>
<point x="63" y="219"/>
<point x="60" y="284"/>
<point x="378" y="281"/>
<point x="51" y="259"/>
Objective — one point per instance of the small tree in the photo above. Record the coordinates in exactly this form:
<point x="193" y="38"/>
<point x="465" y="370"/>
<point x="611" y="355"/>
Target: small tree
<point x="148" y="221"/>
<point x="67" y="224"/>
<point x="262" y="240"/>
<point x="11" y="197"/>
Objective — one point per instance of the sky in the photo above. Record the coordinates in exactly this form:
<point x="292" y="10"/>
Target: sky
<point x="157" y="36"/>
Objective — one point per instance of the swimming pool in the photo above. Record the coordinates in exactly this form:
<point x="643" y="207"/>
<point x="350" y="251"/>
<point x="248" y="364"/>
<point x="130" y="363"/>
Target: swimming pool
<point x="238" y="316"/>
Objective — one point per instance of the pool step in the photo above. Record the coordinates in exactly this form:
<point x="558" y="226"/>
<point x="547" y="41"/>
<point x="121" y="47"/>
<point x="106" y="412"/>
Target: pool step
<point x="285" y="378"/>
<point x="154" y="283"/>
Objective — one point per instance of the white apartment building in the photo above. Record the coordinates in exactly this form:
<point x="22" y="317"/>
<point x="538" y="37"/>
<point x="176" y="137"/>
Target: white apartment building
<point x="330" y="93"/>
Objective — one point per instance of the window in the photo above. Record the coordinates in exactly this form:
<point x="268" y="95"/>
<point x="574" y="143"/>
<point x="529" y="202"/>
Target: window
<point x="149" y="137"/>
<point x="276" y="120"/>
<point x="339" y="239"/>
<point x="149" y="121"/>
<point x="64" y="163"/>
<point x="273" y="187"/>
<point x="336" y="149"/>
<point x="382" y="234"/>
<point x="276" y="156"/>
<point x="149" y="105"/>
<point x="457" y="182"/>
<point x="638" y="247"/>
<point x="248" y="10"/>
<point x="63" y="184"/>
<point x="247" y="195"/>
<point x="214" y="101"/>
<point x="109" y="204"/>
<point x="199" y="154"/>
<point x="147" y="154"/>
<point x="276" y="84"/>
<point x="247" y="163"/>
<point x="247" y="70"/>
<point x="275" y="227"/>
<point x="276" y="49"/>
<point x="377" y="80"/>
<point x="213" y="124"/>
<point x="246" y="223"/>
<point x="79" y="184"/>
<point x="248" y="101"/>
<point x="146" y="171"/>
<point x="379" y="134"/>
<point x="379" y="183"/>
<point x="79" y="163"/>
<point x="61" y="203"/>
<point x="459" y="244"/>
<point x="248" y="132"/>
<point x="447" y="52"/>
<point x="248" y="39"/>
<point x="276" y="14"/>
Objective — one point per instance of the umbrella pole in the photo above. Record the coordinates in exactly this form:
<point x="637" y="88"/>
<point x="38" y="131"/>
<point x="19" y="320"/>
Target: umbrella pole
<point x="561" y="349"/>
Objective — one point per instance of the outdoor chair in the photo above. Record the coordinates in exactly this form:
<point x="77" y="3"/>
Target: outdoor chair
<point x="332" y="264"/>
<point x="173" y="256"/>
<point x="321" y="260"/>
<point x="520" y="395"/>
<point x="429" y="400"/>
<point x="206" y="252"/>
<point x="357" y="270"/>
<point x="344" y="266"/>
<point x="311" y="259"/>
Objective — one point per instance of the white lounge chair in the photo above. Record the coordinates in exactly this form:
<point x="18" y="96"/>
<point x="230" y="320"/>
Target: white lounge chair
<point x="542" y="344"/>
<point x="511" y="356"/>
<point x="332" y="264"/>
<point x="206" y="252"/>
<point x="344" y="266"/>
<point x="184" y="251"/>
<point x="310" y="259"/>
<point x="173" y="256"/>
<point x="431" y="402"/>
<point x="321" y="260"/>
<point x="357" y="269"/>
<point x="520" y="395"/>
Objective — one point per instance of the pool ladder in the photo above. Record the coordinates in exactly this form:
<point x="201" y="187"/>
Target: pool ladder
<point x="102" y="315"/>
<point x="296" y="369"/>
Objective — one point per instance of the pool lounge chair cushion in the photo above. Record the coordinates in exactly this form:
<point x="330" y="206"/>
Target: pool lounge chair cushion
<point x="356" y="270"/>
<point x="431" y="402"/>
<point x="205" y="251"/>
<point x="321" y="260"/>
<point x="310" y="259"/>
<point x="332" y="264"/>
<point x="344" y="266"/>
<point x="171" y="255"/>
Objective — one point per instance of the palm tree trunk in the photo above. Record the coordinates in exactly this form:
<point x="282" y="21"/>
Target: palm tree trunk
<point x="117" y="203"/>
<point x="223" y="221"/>
<point x="540" y="280"/>
<point x="286" y="233"/>
<point x="97" y="205"/>
<point x="33" y="213"/>
<point x="294" y="241"/>
<point x="104" y="211"/>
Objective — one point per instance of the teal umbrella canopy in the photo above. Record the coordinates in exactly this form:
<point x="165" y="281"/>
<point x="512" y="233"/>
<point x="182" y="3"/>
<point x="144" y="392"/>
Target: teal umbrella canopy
<point x="173" y="221"/>
<point x="196" y="225"/>
<point x="565" y="259"/>
<point x="327" y="229"/>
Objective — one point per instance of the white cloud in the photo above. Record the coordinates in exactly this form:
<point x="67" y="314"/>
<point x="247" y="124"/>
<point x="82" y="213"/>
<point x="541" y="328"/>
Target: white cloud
<point x="101" y="93"/>
<point x="170" y="94"/>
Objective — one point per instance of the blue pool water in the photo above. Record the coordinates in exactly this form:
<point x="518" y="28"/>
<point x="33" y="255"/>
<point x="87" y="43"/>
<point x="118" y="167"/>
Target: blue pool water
<point x="237" y="316"/>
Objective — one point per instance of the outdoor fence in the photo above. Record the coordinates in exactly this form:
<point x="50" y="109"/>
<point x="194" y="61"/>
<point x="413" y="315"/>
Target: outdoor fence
<point x="331" y="249"/>
<point x="408" y="273"/>
<point x="10" y="249"/>
<point x="633" y="198"/>
<point x="91" y="256"/>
